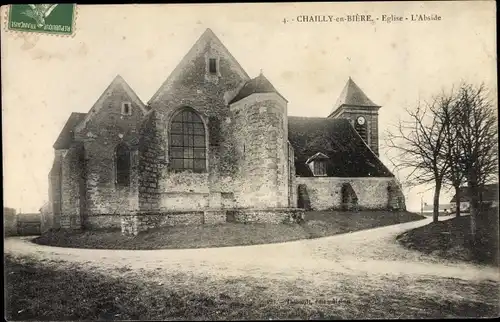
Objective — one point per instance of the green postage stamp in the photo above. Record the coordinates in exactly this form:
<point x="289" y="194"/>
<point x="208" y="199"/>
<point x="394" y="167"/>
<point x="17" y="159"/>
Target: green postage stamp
<point x="44" y="18"/>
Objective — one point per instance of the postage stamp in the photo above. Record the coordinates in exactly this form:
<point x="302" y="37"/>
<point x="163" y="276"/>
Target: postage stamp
<point x="43" y="18"/>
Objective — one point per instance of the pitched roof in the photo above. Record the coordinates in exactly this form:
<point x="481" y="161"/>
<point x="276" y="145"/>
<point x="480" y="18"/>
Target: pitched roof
<point x="489" y="193"/>
<point x="259" y="84"/>
<point x="117" y="81"/>
<point x="352" y="95"/>
<point x="207" y="37"/>
<point x="348" y="154"/>
<point x="66" y="136"/>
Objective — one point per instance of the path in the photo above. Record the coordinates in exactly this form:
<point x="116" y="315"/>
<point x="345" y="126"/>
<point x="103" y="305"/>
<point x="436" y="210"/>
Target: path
<point x="366" y="253"/>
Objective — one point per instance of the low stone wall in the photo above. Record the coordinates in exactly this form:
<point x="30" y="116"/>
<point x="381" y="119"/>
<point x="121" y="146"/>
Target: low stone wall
<point x="103" y="221"/>
<point x="161" y="219"/>
<point x="132" y="224"/>
<point x="272" y="216"/>
<point x="326" y="192"/>
<point x="214" y="217"/>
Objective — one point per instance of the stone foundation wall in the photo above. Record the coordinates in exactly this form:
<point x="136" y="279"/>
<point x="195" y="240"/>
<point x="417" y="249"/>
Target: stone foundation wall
<point x="214" y="217"/>
<point x="132" y="224"/>
<point x="277" y="216"/>
<point x="155" y="220"/>
<point x="103" y="221"/>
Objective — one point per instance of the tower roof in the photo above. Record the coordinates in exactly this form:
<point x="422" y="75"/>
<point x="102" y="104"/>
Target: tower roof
<point x="259" y="84"/>
<point x="352" y="95"/>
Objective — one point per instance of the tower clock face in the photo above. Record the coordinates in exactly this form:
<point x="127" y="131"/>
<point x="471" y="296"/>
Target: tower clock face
<point x="361" y="120"/>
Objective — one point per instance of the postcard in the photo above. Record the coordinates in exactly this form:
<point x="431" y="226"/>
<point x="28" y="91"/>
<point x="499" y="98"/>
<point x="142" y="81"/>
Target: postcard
<point x="250" y="161"/>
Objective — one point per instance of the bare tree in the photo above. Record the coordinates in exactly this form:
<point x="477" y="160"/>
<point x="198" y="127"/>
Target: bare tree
<point x="419" y="143"/>
<point x="449" y="115"/>
<point x="477" y="139"/>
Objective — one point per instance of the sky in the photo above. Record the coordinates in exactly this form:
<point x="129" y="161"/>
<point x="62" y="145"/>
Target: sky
<point x="45" y="78"/>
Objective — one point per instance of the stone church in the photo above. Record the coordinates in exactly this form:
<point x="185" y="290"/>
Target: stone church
<point x="214" y="145"/>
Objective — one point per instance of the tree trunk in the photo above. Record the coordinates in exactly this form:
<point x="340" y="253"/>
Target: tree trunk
<point x="474" y="203"/>
<point x="435" y="212"/>
<point x="458" y="198"/>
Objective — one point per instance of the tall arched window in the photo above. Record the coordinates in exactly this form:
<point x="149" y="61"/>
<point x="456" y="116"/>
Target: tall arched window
<point x="122" y="166"/>
<point x="187" y="142"/>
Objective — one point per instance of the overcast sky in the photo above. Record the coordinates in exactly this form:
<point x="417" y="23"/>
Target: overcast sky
<point x="45" y="78"/>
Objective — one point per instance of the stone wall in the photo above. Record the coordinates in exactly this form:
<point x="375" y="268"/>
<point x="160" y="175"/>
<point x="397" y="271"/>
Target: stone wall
<point x="190" y="86"/>
<point x="162" y="219"/>
<point x="151" y="162"/>
<point x="55" y="193"/>
<point x="101" y="132"/>
<point x="148" y="220"/>
<point x="104" y="221"/>
<point x="396" y="196"/>
<point x="269" y="216"/>
<point x="325" y="192"/>
<point x="130" y="225"/>
<point x="72" y="187"/>
<point x="185" y="191"/>
<point x="292" y="194"/>
<point x="214" y="217"/>
<point x="143" y="221"/>
<point x="263" y="169"/>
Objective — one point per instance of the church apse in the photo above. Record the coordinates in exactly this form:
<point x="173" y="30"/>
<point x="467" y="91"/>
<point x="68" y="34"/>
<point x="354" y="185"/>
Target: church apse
<point x="211" y="144"/>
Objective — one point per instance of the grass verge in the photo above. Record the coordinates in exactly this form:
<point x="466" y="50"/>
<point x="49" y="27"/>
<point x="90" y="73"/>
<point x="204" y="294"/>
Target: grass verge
<point x="317" y="224"/>
<point x="451" y="239"/>
<point x="42" y="291"/>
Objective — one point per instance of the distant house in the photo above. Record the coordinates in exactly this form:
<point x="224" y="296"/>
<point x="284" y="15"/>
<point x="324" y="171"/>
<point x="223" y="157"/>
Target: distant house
<point x="28" y="224"/>
<point x="489" y="196"/>
<point x="428" y="208"/>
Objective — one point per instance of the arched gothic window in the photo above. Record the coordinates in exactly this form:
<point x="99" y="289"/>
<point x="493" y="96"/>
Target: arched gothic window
<point x="122" y="165"/>
<point x="187" y="142"/>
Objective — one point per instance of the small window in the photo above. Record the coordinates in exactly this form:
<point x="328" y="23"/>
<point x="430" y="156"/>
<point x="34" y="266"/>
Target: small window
<point x="126" y="108"/>
<point x="212" y="66"/>
<point x="319" y="168"/>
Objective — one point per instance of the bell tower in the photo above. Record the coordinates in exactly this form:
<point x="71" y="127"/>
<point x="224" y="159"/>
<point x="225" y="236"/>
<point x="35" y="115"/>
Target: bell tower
<point x="354" y="105"/>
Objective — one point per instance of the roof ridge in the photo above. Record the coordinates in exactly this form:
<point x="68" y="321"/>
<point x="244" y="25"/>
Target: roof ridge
<point x="208" y="33"/>
<point x="117" y="80"/>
